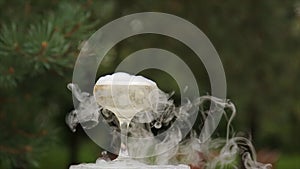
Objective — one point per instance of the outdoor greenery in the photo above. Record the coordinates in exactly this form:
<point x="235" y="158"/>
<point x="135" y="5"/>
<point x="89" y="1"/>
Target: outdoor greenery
<point x="257" y="40"/>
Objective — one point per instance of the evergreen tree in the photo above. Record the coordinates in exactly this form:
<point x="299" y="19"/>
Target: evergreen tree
<point x="38" y="46"/>
<point x="257" y="41"/>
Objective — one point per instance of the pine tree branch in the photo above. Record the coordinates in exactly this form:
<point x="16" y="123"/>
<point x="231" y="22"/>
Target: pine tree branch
<point x="44" y="45"/>
<point x="15" y="151"/>
<point x="72" y="31"/>
<point x="29" y="52"/>
<point x="31" y="135"/>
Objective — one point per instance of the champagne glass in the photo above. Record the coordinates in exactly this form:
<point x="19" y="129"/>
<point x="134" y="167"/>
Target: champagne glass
<point x="124" y="95"/>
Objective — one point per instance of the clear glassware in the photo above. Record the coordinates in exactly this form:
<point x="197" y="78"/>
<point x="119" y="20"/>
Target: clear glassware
<point x="124" y="97"/>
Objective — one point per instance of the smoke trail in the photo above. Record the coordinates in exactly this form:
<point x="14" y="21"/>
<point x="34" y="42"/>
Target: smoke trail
<point x="169" y="149"/>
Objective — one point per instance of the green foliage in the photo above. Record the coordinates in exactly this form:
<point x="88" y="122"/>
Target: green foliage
<point x="288" y="161"/>
<point x="35" y="57"/>
<point x="257" y="41"/>
<point x="49" y="43"/>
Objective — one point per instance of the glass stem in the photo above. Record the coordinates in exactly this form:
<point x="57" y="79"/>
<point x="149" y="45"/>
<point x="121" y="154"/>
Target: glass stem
<point x="124" y="124"/>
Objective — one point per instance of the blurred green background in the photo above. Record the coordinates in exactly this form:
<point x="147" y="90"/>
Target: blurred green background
<point x="258" y="42"/>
